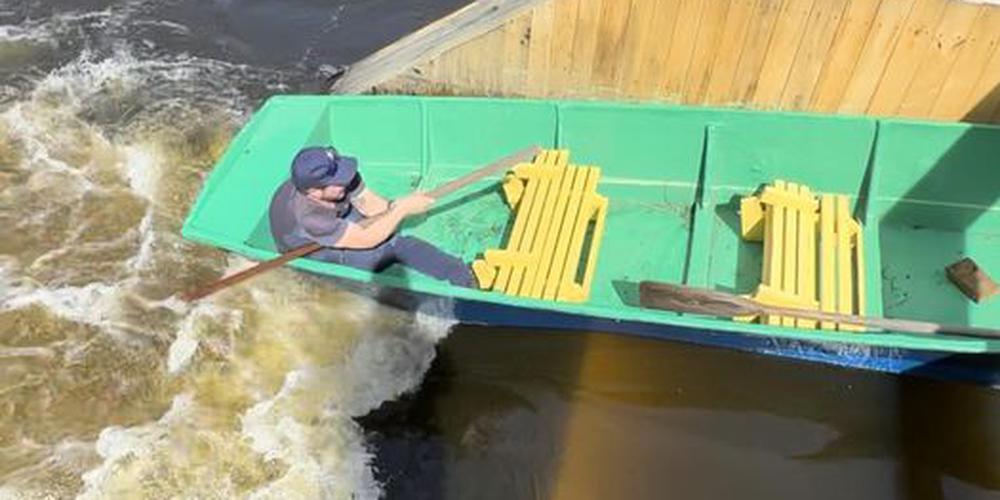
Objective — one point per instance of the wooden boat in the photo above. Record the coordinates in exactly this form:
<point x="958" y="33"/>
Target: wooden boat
<point x="923" y="194"/>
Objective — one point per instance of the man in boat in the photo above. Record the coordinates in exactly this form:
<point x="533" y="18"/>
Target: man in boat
<point x="326" y="202"/>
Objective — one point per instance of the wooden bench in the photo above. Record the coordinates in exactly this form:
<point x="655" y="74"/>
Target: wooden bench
<point x="813" y="254"/>
<point x="556" y="235"/>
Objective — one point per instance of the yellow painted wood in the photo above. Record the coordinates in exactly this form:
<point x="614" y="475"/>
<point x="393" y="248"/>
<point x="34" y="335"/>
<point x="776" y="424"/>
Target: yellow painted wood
<point x="513" y="188"/>
<point x="542" y="181"/>
<point x="861" y="302"/>
<point x="788" y="198"/>
<point x="485" y="273"/>
<point x="554" y="222"/>
<point x="806" y="286"/>
<point x="774" y="247"/>
<point x="500" y="284"/>
<point x="555" y="277"/>
<point x="588" y="209"/>
<point x="827" y="261"/>
<point x="751" y="219"/>
<point x="845" y="291"/>
<point x="789" y="269"/>
<point x="539" y="248"/>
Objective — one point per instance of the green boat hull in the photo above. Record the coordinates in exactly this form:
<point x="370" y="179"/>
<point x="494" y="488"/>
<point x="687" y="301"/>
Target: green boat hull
<point x="926" y="193"/>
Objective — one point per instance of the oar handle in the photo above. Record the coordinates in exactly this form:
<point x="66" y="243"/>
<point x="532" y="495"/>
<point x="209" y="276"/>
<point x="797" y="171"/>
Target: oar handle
<point x="502" y="164"/>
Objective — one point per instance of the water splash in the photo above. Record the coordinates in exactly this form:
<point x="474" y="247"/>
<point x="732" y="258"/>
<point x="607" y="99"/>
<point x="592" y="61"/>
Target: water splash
<point x="250" y="393"/>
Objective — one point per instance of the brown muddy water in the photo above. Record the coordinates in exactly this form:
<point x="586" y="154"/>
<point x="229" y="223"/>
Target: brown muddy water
<point x="112" y="113"/>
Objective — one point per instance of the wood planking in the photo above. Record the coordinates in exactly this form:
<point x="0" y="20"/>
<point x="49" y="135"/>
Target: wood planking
<point x="735" y="32"/>
<point x="515" y="55"/>
<point x="754" y="50"/>
<point x="610" y="43"/>
<point x="921" y="58"/>
<point x="985" y="95"/>
<point x="539" y="51"/>
<point x="952" y="99"/>
<point x="813" y="50"/>
<point x="913" y="43"/>
<point x="949" y="39"/>
<point x="561" y="46"/>
<point x="588" y="17"/>
<point x="848" y="43"/>
<point x="635" y="45"/>
<point x="656" y="53"/>
<point x="706" y="49"/>
<point x="785" y="41"/>
<point x="681" y="48"/>
<point x="878" y="47"/>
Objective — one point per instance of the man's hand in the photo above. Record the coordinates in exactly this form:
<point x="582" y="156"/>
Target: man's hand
<point x="412" y="204"/>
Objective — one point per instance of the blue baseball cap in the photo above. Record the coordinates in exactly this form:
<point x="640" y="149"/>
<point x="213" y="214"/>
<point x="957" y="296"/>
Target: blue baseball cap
<point x="318" y="167"/>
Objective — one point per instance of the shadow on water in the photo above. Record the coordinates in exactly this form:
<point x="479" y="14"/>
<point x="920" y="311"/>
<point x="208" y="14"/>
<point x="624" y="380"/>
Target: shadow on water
<point x="502" y="413"/>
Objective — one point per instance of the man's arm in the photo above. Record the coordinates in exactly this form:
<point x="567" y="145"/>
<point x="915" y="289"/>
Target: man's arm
<point x="374" y="230"/>
<point x="369" y="203"/>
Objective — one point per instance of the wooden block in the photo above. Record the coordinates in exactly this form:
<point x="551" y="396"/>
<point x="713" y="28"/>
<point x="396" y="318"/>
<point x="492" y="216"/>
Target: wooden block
<point x="485" y="273"/>
<point x="513" y="188"/>
<point x="972" y="280"/>
<point x="774" y="248"/>
<point x="751" y="219"/>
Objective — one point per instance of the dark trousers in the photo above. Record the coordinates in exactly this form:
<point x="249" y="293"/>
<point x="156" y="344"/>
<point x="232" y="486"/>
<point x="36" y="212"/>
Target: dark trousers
<point x="411" y="252"/>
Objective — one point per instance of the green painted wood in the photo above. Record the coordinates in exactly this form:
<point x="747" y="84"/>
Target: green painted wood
<point x="671" y="174"/>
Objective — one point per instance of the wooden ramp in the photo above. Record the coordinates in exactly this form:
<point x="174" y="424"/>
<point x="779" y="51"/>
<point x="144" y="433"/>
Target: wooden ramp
<point x="556" y="234"/>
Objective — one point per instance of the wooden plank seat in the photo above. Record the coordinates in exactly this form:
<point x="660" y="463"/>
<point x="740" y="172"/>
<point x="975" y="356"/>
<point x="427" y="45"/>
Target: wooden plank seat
<point x="813" y="254"/>
<point x="559" y="218"/>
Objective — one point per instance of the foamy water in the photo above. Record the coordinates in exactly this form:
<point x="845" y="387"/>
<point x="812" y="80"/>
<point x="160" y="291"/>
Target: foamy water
<point x="112" y="387"/>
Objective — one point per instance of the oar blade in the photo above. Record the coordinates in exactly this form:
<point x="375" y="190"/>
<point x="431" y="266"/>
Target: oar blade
<point x="680" y="298"/>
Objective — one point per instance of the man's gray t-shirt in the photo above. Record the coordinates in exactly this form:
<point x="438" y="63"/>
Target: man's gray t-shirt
<point x="297" y="220"/>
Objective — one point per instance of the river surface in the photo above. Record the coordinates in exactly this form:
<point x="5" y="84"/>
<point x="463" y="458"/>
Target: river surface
<point x="111" y="115"/>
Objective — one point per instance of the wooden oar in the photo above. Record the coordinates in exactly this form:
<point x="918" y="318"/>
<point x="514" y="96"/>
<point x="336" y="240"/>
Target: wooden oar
<point x="500" y="165"/>
<point x="687" y="299"/>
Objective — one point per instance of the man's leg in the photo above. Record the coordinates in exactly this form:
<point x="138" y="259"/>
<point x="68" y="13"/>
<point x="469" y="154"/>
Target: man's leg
<point x="428" y="259"/>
